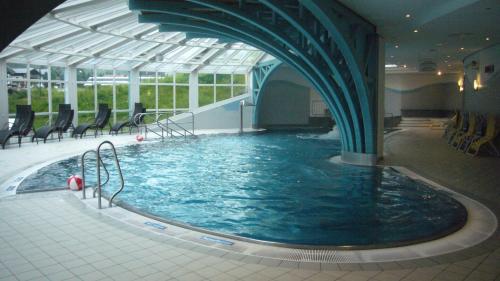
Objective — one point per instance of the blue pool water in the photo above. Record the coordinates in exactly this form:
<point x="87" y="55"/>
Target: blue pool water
<point x="277" y="187"/>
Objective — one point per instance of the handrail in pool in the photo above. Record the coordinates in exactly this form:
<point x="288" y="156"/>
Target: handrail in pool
<point x="171" y="130"/>
<point x="99" y="185"/>
<point x="82" y="159"/>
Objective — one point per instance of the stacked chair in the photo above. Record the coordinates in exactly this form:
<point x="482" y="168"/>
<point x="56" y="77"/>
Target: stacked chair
<point x="23" y="125"/>
<point x="63" y="122"/>
<point x="470" y="133"/>
<point x="101" y="120"/>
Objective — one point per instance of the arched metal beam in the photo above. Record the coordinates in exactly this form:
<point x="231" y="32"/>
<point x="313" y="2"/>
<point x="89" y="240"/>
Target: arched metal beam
<point x="346" y="137"/>
<point x="336" y="86"/>
<point x="258" y="92"/>
<point x="323" y="11"/>
<point x="176" y="16"/>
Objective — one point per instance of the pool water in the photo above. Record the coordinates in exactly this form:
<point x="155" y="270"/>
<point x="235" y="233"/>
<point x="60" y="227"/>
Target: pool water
<point x="276" y="187"/>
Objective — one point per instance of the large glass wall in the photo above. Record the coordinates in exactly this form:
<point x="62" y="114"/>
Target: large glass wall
<point x="218" y="87"/>
<point x="44" y="88"/>
<point x="99" y="86"/>
<point x="40" y="86"/>
<point x="164" y="92"/>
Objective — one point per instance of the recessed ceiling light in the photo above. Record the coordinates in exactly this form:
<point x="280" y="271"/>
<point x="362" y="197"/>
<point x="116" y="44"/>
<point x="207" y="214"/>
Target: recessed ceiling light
<point x="404" y="65"/>
<point x="487" y="38"/>
<point x="462" y="48"/>
<point x="415" y="30"/>
<point x="396" y="46"/>
<point x="407" y="16"/>
<point x="439" y="73"/>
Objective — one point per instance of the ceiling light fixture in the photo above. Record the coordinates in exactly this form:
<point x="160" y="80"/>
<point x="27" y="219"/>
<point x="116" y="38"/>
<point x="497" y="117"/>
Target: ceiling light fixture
<point x="396" y="46"/>
<point x="391" y="65"/>
<point x="407" y="16"/>
<point x="487" y="38"/>
<point x="439" y="73"/>
<point x="462" y="48"/>
<point x="415" y="31"/>
<point x="404" y="65"/>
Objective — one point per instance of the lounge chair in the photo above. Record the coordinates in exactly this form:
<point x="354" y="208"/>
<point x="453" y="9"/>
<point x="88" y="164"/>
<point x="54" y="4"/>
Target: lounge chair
<point x="23" y="124"/>
<point x="463" y="128"/>
<point x="138" y="109"/>
<point x="453" y="124"/>
<point x="100" y="122"/>
<point x="488" y="138"/>
<point x="63" y="122"/>
<point x="462" y="137"/>
<point x="479" y="131"/>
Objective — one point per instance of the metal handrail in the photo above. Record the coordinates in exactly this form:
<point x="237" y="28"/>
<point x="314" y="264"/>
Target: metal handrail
<point x="82" y="160"/>
<point x="99" y="185"/>
<point x="178" y="124"/>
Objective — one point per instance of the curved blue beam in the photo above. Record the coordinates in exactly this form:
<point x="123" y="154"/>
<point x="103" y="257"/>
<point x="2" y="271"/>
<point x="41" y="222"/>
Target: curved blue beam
<point x="345" y="123"/>
<point x="342" y="117"/>
<point x="346" y="137"/>
<point x="352" y="100"/>
<point x="354" y="121"/>
<point x="323" y="12"/>
<point x="258" y="95"/>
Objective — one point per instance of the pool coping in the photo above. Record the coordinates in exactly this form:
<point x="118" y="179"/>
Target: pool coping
<point x="480" y="225"/>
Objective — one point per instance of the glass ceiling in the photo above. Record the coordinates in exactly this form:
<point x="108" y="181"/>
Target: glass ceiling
<point x="105" y="33"/>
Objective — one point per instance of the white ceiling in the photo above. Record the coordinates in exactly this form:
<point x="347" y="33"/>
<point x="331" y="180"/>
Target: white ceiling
<point x="106" y="34"/>
<point x="444" y="27"/>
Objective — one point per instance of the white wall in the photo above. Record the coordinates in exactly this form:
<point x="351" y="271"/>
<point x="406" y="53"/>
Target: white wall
<point x="220" y="115"/>
<point x="421" y="91"/>
<point x="487" y="98"/>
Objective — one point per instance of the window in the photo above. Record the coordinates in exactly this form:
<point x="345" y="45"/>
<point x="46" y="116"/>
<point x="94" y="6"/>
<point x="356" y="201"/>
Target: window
<point x="164" y="92"/>
<point x="218" y="87"/>
<point x="41" y="86"/>
<point x="85" y="95"/>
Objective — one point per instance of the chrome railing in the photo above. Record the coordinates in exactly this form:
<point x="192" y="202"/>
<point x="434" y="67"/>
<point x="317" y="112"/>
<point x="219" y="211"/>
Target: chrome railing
<point x="82" y="161"/>
<point x="98" y="188"/>
<point x="164" y="124"/>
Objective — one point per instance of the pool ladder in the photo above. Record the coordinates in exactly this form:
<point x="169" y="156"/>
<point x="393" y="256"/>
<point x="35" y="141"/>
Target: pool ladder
<point x="99" y="162"/>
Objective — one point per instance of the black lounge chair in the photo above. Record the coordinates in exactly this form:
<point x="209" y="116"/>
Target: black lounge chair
<point x="63" y="122"/>
<point x="23" y="124"/>
<point x="100" y="122"/>
<point x="138" y="109"/>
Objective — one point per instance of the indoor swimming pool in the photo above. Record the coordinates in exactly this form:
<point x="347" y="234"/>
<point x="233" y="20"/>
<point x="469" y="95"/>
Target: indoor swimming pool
<point x="277" y="187"/>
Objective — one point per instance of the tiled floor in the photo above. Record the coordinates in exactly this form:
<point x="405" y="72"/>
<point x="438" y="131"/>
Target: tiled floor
<point x="52" y="236"/>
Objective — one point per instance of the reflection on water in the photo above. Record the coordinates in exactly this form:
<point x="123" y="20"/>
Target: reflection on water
<point x="276" y="187"/>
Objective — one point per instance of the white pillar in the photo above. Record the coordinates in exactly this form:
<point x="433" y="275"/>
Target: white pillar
<point x="380" y="98"/>
<point x="4" y="98"/>
<point x="114" y="96"/>
<point x="193" y="91"/>
<point x="70" y="91"/>
<point x="133" y="90"/>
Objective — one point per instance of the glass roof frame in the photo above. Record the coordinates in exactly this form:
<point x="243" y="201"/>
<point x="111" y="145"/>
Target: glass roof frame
<point x="105" y="34"/>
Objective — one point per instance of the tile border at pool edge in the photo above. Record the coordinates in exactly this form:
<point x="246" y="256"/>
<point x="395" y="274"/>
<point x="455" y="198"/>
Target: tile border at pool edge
<point x="480" y="217"/>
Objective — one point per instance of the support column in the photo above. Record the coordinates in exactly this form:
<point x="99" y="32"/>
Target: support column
<point x="4" y="98"/>
<point x="133" y="90"/>
<point x="380" y="98"/>
<point x="193" y="91"/>
<point x="70" y="91"/>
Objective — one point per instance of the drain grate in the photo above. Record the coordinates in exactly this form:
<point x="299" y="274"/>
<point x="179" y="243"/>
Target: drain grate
<point x="322" y="256"/>
<point x="303" y="255"/>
